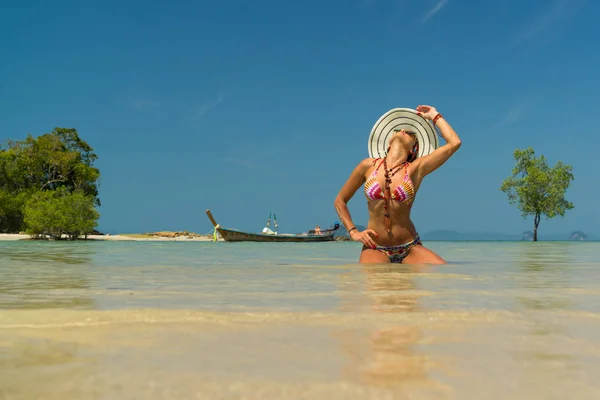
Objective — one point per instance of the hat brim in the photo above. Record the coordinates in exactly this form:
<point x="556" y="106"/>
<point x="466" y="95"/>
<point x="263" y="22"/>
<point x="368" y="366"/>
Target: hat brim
<point x="397" y="119"/>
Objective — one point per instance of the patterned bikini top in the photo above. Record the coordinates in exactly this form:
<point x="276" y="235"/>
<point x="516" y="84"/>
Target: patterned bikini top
<point x="403" y="193"/>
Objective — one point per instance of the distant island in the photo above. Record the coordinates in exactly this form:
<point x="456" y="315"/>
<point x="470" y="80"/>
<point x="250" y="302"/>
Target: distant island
<point x="485" y="236"/>
<point x="527" y="236"/>
<point x="455" y="235"/>
<point x="574" y="236"/>
<point x="450" y="235"/>
<point x="578" y="235"/>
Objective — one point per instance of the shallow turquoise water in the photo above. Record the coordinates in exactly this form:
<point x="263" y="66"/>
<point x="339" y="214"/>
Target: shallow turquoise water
<point x="283" y="277"/>
<point x="99" y="320"/>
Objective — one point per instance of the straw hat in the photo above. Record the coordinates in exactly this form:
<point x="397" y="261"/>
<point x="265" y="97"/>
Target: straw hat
<point x="395" y="120"/>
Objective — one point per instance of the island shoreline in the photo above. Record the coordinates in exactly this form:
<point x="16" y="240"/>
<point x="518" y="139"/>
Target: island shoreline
<point x="119" y="237"/>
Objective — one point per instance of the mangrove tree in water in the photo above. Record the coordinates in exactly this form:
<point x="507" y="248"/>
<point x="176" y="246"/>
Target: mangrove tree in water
<point x="536" y="188"/>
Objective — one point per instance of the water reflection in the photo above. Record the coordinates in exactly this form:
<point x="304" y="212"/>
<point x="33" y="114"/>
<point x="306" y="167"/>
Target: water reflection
<point x="391" y="288"/>
<point x="45" y="275"/>
<point x="386" y="356"/>
<point x="50" y="252"/>
<point x="544" y="266"/>
<point x="544" y="271"/>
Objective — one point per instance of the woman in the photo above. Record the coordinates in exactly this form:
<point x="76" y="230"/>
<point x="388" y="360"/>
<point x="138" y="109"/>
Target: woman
<point x="391" y="183"/>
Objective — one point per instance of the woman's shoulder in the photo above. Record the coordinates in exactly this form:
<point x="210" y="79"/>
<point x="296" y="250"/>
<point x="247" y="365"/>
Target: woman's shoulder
<point x="367" y="163"/>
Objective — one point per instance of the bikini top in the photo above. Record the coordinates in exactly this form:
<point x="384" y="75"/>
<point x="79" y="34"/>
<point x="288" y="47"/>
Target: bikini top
<point x="403" y="193"/>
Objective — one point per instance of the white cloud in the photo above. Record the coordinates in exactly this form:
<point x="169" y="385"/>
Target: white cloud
<point x="556" y="15"/>
<point x="434" y="10"/>
<point x="513" y="116"/>
<point x="204" y="108"/>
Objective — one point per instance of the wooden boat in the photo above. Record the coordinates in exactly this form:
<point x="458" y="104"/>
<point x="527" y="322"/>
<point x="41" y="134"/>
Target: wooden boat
<point x="332" y="229"/>
<point x="234" y="235"/>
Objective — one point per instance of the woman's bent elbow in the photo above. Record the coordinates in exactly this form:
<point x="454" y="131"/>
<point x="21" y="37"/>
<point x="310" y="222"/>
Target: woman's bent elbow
<point x="338" y="202"/>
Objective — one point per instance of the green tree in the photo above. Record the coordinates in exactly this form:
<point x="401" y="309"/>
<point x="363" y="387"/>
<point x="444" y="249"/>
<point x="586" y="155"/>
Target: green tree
<point x="52" y="161"/>
<point x="55" y="213"/>
<point x="11" y="210"/>
<point x="536" y="188"/>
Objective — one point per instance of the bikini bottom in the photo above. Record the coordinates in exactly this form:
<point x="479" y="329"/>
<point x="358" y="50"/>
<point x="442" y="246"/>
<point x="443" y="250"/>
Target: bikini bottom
<point x="398" y="253"/>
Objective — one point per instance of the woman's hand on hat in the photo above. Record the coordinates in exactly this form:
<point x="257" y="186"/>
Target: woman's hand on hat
<point x="365" y="236"/>
<point x="427" y="112"/>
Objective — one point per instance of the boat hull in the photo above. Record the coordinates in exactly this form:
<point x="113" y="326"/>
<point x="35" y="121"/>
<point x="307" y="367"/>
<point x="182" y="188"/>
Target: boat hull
<point x="230" y="235"/>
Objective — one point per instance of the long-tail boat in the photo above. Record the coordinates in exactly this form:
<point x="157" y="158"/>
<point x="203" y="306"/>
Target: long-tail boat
<point x="235" y="235"/>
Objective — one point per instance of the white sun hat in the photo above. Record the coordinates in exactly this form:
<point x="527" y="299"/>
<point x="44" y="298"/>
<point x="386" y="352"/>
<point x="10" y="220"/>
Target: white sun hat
<point x="395" y="120"/>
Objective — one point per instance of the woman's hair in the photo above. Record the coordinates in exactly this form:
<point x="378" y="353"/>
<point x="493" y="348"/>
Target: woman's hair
<point x="414" y="152"/>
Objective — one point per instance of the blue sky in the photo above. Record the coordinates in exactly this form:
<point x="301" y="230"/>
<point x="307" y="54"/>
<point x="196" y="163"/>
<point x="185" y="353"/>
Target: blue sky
<point x="254" y="107"/>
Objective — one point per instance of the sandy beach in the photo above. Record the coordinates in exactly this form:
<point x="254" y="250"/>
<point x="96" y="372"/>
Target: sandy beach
<point x="124" y="237"/>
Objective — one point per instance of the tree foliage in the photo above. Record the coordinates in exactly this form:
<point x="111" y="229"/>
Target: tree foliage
<point x="55" y="213"/>
<point x="536" y="188"/>
<point x="59" y="161"/>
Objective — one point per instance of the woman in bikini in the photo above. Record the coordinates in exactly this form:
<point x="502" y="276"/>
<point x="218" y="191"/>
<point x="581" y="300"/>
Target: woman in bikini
<point x="390" y="185"/>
